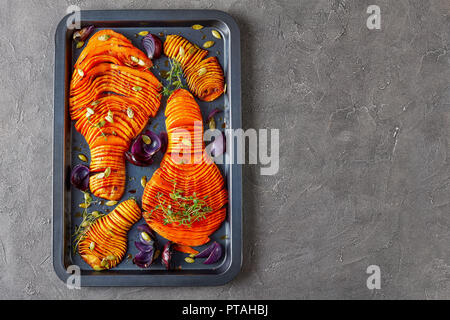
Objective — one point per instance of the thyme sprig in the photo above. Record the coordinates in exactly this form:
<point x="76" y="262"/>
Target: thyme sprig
<point x="175" y="78"/>
<point x="88" y="219"/>
<point x="187" y="209"/>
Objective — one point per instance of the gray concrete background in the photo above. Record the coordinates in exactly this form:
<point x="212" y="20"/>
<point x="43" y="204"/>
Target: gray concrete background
<point x="364" y="172"/>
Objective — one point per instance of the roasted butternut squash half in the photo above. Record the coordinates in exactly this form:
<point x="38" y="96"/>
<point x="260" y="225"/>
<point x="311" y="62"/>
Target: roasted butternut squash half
<point x="112" y="95"/>
<point x="204" y="77"/>
<point x="105" y="242"/>
<point x="198" y="178"/>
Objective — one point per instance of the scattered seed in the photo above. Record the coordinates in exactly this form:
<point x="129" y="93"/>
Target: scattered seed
<point x="134" y="59"/>
<point x="143" y="33"/>
<point x="197" y="27"/>
<point x="104" y="37"/>
<point x="192" y="255"/>
<point x="212" y="123"/>
<point x="82" y="157"/>
<point x="111" y="203"/>
<point x="137" y="88"/>
<point x="143" y="181"/>
<point x="89" y="110"/>
<point x="84" y="205"/>
<point x="96" y="214"/>
<point x="130" y="113"/>
<point x="146" y="236"/>
<point x="101" y="175"/>
<point x="141" y="62"/>
<point x="181" y="52"/>
<point x="202" y="71"/>
<point x="80" y="72"/>
<point x="104" y="262"/>
<point x="225" y="88"/>
<point x="146" y="139"/>
<point x="111" y="257"/>
<point x="98" y="268"/>
<point x="189" y="260"/>
<point x="109" y="119"/>
<point x="208" y="44"/>
<point x="107" y="172"/>
<point x="92" y="246"/>
<point x="84" y="224"/>
<point x="216" y="34"/>
<point x="80" y="44"/>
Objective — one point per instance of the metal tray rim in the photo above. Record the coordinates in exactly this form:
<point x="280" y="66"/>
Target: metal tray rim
<point x="58" y="147"/>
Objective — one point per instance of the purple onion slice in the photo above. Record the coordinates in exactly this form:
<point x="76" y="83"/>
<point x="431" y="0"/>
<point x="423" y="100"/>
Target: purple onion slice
<point x="215" y="255"/>
<point x="79" y="177"/>
<point x="152" y="45"/>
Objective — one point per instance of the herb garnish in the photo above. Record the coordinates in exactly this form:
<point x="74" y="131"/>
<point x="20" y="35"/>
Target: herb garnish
<point x="88" y="220"/>
<point x="189" y="209"/>
<point x="175" y="77"/>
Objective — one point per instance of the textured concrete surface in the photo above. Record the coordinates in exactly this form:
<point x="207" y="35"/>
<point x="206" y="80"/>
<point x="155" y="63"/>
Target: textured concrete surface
<point x="364" y="174"/>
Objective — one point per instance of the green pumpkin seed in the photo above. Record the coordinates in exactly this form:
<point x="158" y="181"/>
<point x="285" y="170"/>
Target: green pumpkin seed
<point x="111" y="203"/>
<point x="101" y="175"/>
<point x="104" y="263"/>
<point x="189" y="260"/>
<point x="225" y="88"/>
<point x="216" y="34"/>
<point x="89" y="110"/>
<point x="146" y="139"/>
<point x="208" y="44"/>
<point x="80" y="44"/>
<point x="82" y="157"/>
<point x="111" y="257"/>
<point x="141" y="62"/>
<point x="137" y="88"/>
<point x="84" y="224"/>
<point x="181" y="52"/>
<point x="145" y="236"/>
<point x="94" y="103"/>
<point x="143" y="181"/>
<point x="80" y="72"/>
<point x="143" y="33"/>
<point x="192" y="255"/>
<point x="104" y="37"/>
<point x="197" y="27"/>
<point x="92" y="246"/>
<point x="107" y="172"/>
<point x="84" y="205"/>
<point x="202" y="71"/>
<point x="98" y="268"/>
<point x="134" y="59"/>
<point x="212" y="124"/>
<point x="87" y="197"/>
<point x="130" y="113"/>
<point x="96" y="214"/>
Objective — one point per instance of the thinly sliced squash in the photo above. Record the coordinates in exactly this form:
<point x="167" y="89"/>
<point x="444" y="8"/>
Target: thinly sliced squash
<point x="105" y="242"/>
<point x="110" y="77"/>
<point x="204" y="76"/>
<point x="201" y="178"/>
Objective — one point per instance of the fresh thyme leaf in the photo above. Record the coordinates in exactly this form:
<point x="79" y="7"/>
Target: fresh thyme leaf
<point x="175" y="78"/>
<point x="186" y="210"/>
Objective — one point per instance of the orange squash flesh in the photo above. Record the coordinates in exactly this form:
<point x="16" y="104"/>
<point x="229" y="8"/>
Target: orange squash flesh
<point x="106" y="239"/>
<point x="204" y="77"/>
<point x="202" y="178"/>
<point x="111" y="76"/>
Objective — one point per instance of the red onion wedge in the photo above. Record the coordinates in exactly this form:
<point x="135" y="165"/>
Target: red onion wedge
<point x="79" y="177"/>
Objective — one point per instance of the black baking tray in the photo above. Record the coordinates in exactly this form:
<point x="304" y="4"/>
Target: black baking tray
<point x="68" y="143"/>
